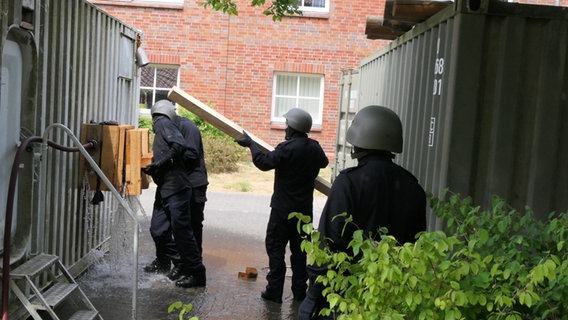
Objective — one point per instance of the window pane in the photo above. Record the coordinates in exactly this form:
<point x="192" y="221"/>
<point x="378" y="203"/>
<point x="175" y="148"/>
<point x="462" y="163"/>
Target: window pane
<point x="310" y="87"/>
<point x="161" y="94"/>
<point x="286" y="85"/>
<point x="145" y="98"/>
<point x="147" y="76"/>
<point x="166" y="78"/>
<point x="312" y="3"/>
<point x="310" y="105"/>
<point x="282" y="105"/>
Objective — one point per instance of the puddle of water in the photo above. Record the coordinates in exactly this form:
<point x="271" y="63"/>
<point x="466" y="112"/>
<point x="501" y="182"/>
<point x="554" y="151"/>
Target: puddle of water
<point x="226" y="252"/>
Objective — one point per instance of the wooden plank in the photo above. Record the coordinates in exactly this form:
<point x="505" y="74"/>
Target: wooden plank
<point x="90" y="132"/>
<point x="133" y="156"/>
<point x="227" y="126"/>
<point x="112" y="152"/>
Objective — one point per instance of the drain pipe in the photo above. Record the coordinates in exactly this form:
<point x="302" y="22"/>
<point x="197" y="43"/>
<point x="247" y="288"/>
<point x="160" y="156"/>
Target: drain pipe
<point x="8" y="224"/>
<point x="9" y="213"/>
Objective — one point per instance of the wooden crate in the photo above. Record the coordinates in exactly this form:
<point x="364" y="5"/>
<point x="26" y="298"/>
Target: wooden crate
<point x="121" y="153"/>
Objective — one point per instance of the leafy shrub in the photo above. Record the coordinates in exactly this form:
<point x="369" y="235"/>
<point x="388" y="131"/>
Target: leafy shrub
<point x="207" y="129"/>
<point x="487" y="264"/>
<point x="222" y="154"/>
<point x="183" y="309"/>
<point x="145" y="123"/>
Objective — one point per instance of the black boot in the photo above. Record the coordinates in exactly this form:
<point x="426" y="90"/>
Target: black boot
<point x="176" y="273"/>
<point x="157" y="267"/>
<point x="191" y="281"/>
<point x="267" y="296"/>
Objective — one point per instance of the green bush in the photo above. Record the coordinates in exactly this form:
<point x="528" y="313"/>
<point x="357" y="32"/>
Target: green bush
<point x="222" y="154"/>
<point x="487" y="264"/>
<point x="145" y="123"/>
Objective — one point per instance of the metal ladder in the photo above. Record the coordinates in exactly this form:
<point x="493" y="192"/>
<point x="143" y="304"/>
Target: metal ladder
<point x="43" y="284"/>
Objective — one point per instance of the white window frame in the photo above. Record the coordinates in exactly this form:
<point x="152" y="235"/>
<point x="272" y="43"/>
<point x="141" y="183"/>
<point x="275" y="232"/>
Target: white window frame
<point x="154" y="86"/>
<point x="316" y="118"/>
<point x="309" y="9"/>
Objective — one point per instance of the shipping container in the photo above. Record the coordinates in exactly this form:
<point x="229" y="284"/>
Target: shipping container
<point x="68" y="63"/>
<point x="481" y="88"/>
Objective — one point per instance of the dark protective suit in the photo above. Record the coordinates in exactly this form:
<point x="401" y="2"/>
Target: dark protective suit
<point x="171" y="215"/>
<point x="377" y="193"/>
<point x="297" y="162"/>
<point x="197" y="175"/>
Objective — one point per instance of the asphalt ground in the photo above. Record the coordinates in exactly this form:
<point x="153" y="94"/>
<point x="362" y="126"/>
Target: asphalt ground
<point x="233" y="239"/>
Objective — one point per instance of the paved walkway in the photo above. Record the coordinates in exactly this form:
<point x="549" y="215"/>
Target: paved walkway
<point x="234" y="230"/>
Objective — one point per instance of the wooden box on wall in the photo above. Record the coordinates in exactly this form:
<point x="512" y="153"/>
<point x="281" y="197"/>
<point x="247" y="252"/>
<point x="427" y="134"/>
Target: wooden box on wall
<point x="121" y="152"/>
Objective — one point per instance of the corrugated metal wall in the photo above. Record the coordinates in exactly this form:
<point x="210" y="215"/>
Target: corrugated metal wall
<point x="347" y="108"/>
<point x="84" y="70"/>
<point x="89" y="76"/>
<point x="482" y="94"/>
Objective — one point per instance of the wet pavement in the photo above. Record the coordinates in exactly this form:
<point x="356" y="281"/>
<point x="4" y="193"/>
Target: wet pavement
<point x="233" y="240"/>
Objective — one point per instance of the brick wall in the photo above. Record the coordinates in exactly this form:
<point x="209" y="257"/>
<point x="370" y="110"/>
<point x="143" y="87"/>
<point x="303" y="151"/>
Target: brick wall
<point x="229" y="61"/>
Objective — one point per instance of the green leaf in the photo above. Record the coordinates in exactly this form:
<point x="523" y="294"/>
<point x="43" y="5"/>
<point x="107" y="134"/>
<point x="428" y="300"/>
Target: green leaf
<point x="483" y="236"/>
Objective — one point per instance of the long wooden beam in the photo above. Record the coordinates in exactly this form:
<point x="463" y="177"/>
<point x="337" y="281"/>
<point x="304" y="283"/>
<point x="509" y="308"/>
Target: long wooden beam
<point x="227" y="126"/>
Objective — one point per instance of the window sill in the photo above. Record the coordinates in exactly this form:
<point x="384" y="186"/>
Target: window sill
<point x="313" y="15"/>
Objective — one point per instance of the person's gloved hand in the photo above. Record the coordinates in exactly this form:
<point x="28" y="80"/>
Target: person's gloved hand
<point x="151" y="169"/>
<point x="307" y="308"/>
<point x="245" y="140"/>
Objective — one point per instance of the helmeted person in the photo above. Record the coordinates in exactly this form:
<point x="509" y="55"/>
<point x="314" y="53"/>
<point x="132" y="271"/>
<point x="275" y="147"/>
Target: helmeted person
<point x="296" y="162"/>
<point x="195" y="159"/>
<point x="376" y="193"/>
<point x="171" y="212"/>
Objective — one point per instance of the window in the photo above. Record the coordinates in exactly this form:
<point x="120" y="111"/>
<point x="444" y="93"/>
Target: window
<point x="155" y="83"/>
<point x="314" y="5"/>
<point x="297" y="90"/>
<point x="144" y="2"/>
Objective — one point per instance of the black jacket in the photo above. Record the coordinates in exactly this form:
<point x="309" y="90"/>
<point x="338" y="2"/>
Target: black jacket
<point x="297" y="162"/>
<point x="168" y="148"/>
<point x="377" y="193"/>
<point x="194" y="156"/>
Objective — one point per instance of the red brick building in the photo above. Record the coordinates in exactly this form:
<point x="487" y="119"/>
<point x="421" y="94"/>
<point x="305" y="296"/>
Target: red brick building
<point x="249" y="67"/>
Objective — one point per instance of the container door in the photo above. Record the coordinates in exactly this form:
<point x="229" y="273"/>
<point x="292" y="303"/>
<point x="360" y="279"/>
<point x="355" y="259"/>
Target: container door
<point x="10" y="103"/>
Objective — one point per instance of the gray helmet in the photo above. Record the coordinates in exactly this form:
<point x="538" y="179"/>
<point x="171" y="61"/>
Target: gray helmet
<point x="164" y="107"/>
<point x="376" y="128"/>
<point x="299" y="120"/>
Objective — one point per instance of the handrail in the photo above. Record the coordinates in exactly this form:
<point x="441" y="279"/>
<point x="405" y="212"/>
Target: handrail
<point x="10" y="201"/>
<point x="116" y="195"/>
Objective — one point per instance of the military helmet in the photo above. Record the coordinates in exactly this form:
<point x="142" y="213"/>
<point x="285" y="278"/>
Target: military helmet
<point x="376" y="128"/>
<point x="164" y="107"/>
<point x="299" y="120"/>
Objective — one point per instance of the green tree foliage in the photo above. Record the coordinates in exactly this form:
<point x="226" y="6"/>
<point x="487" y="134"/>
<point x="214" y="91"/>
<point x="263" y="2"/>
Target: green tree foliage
<point x="487" y="264"/>
<point x="277" y="9"/>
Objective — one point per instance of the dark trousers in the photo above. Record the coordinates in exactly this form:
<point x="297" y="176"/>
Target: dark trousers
<point x="197" y="206"/>
<point x="279" y="232"/>
<point x="173" y="236"/>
